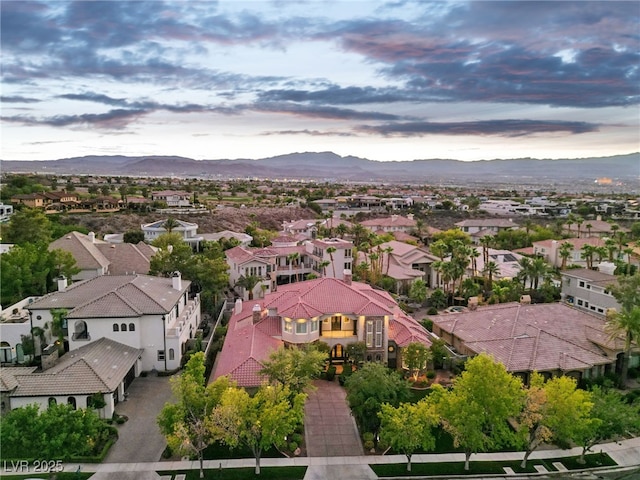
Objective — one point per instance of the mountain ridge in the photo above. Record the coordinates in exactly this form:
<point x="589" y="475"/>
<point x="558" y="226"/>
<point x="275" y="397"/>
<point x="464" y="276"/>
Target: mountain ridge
<point x="329" y="165"/>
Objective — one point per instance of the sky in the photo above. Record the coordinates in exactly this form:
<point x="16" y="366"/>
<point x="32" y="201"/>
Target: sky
<point x="397" y="80"/>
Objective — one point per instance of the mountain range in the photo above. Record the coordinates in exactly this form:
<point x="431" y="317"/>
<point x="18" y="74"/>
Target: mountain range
<point x="328" y="166"/>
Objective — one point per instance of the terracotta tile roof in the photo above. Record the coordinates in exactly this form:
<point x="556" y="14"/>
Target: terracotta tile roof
<point x="487" y="222"/>
<point x="540" y="337"/>
<point x="239" y="255"/>
<point x="85" y="251"/>
<point x="111" y="295"/>
<point x="8" y="377"/>
<point x="577" y="243"/>
<point x="247" y="344"/>
<point x="404" y="237"/>
<point x="126" y="258"/>
<point x="99" y="366"/>
<point x="390" y="222"/>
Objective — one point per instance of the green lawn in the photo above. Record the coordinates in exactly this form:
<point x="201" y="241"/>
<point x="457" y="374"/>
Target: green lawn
<point x="218" y="451"/>
<point x="489" y="468"/>
<point x="266" y="473"/>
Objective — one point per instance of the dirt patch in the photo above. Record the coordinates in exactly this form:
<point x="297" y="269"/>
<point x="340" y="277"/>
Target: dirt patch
<point x="228" y="218"/>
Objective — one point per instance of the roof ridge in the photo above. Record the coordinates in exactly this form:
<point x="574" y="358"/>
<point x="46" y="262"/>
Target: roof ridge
<point x="140" y="290"/>
<point x="83" y="360"/>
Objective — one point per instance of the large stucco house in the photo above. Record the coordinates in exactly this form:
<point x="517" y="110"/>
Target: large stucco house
<point x="155" y="314"/>
<point x="338" y="312"/>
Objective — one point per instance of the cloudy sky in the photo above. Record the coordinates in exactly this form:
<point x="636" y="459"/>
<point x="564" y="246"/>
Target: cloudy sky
<point x="396" y="80"/>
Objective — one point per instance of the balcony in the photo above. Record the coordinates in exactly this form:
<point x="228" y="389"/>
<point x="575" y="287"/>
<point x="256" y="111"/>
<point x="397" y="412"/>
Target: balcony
<point x="179" y="325"/>
<point x="338" y="334"/>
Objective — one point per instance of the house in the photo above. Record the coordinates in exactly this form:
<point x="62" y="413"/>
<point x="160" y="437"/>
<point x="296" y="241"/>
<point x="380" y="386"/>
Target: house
<point x="287" y="261"/>
<point x="173" y="198"/>
<point x="593" y="228"/>
<point x="155" y="314"/>
<point x="96" y="257"/>
<point x="550" y="250"/>
<point x="550" y="338"/>
<point x="187" y="230"/>
<point x="506" y="260"/>
<point x="480" y="227"/>
<point x="338" y="312"/>
<point x="14" y="323"/>
<point x="244" y="238"/>
<point x="5" y="212"/>
<point x="301" y="229"/>
<point x="58" y="200"/>
<point x="394" y="223"/>
<point x="404" y="263"/>
<point x="103" y="368"/>
<point x="589" y="290"/>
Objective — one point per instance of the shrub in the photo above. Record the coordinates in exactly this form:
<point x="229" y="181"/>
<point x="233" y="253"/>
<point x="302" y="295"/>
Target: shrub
<point x="432" y="311"/>
<point x="367" y="437"/>
<point x="368" y="445"/>
<point x="382" y="445"/>
<point x="296" y="437"/>
<point x="431" y="374"/>
<point x="293" y="446"/>
<point x="428" y="323"/>
<point x="331" y="373"/>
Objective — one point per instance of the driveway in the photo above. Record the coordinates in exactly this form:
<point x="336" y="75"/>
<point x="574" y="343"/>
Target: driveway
<point x="330" y="429"/>
<point x="139" y="438"/>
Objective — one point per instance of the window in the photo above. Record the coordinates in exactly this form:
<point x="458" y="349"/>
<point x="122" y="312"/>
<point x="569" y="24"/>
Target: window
<point x="301" y="328"/>
<point x="347" y="265"/>
<point x="115" y="327"/>
<point x="52" y="401"/>
<point x="72" y="401"/>
<point x="123" y="327"/>
<point x="580" y="302"/>
<point x="160" y="355"/>
<point x="347" y="253"/>
<point x="288" y="327"/>
<point x="369" y="334"/>
<point x="132" y="327"/>
<point x="581" y="284"/>
<point x="378" y="333"/>
<point x="314" y="325"/>
<point x="172" y="354"/>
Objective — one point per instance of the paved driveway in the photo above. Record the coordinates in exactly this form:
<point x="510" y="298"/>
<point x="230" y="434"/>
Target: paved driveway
<point x="139" y="438"/>
<point x="330" y="430"/>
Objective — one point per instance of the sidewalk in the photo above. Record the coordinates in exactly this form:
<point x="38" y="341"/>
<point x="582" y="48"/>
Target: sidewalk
<point x="625" y="454"/>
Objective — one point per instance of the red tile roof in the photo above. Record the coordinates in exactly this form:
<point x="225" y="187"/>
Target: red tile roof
<point x="540" y="337"/>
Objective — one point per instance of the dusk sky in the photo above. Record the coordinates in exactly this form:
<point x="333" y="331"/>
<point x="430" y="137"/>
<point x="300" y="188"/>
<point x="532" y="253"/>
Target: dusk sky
<point x="395" y="80"/>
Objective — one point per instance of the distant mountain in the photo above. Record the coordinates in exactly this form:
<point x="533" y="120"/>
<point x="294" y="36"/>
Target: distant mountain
<point x="329" y="166"/>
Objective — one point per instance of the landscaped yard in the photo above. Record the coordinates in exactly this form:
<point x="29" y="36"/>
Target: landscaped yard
<point x="266" y="473"/>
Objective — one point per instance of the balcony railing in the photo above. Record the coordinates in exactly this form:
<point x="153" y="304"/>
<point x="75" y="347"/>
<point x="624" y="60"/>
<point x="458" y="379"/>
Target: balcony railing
<point x="337" y="334"/>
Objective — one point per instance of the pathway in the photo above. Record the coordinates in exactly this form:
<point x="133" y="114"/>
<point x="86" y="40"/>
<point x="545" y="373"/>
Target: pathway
<point x="330" y="429"/>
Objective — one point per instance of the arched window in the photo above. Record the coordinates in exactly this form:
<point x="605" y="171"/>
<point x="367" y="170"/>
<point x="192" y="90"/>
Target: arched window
<point x="72" y="401"/>
<point x="52" y="401"/>
<point x="172" y="354"/>
<point x="80" y="331"/>
<point x="123" y="327"/>
<point x="132" y="327"/>
<point x="115" y="327"/>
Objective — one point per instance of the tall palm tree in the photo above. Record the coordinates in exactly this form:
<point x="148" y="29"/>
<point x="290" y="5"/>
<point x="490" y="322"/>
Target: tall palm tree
<point x="360" y="233"/>
<point x="539" y="269"/>
<point x="292" y="261"/>
<point x="331" y="251"/>
<point x="525" y="270"/>
<point x="486" y="243"/>
<point x="627" y="323"/>
<point x="248" y="283"/>
<point x="587" y="255"/>
<point x="611" y="246"/>
<point x="341" y="230"/>
<point x="579" y="221"/>
<point x="474" y="254"/>
<point x="491" y="269"/>
<point x="588" y="226"/>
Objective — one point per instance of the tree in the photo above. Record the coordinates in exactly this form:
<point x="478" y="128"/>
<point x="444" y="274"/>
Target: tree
<point x="294" y="367"/>
<point x="133" y="236"/>
<point x="248" y="283"/>
<point x="568" y="410"/>
<point x="183" y="423"/>
<point x="331" y="251"/>
<point x="418" y="291"/>
<point x="28" y="225"/>
<point x="438" y="299"/>
<point x="409" y="427"/>
<point x="491" y="269"/>
<point x="439" y="352"/>
<point x="626" y="322"/>
<point x="416" y="357"/>
<point x="170" y="224"/>
<point x="356" y="352"/>
<point x="371" y="386"/>
<point x="532" y="418"/>
<point x="565" y="252"/>
<point x="257" y="422"/>
<point x="476" y="411"/>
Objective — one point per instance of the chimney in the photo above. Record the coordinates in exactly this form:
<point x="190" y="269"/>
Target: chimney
<point x="92" y="237"/>
<point x="410" y="216"/>
<point x="255" y="313"/>
<point x="238" y="306"/>
<point x="176" y="280"/>
<point x="62" y="284"/>
<point x="346" y="276"/>
<point x="599" y="218"/>
<point x="49" y="356"/>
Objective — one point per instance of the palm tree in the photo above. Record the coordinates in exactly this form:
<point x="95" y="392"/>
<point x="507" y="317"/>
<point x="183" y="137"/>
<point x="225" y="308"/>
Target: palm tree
<point x="341" y="230"/>
<point x="360" y="233"/>
<point x="628" y="252"/>
<point x="170" y="224"/>
<point x="248" y="283"/>
<point x="587" y="255"/>
<point x="474" y="254"/>
<point x="292" y="261"/>
<point x="571" y="220"/>
<point x="490" y="269"/>
<point x="611" y="246"/>
<point x="525" y="270"/>
<point x="627" y="323"/>
<point x="486" y="243"/>
<point x="579" y="221"/>
<point x="331" y="251"/>
<point x="588" y="226"/>
<point x="539" y="269"/>
<point x="565" y="252"/>
<point x="621" y="237"/>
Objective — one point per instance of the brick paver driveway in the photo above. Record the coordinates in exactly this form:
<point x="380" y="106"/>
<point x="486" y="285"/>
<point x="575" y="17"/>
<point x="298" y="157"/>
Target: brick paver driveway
<point x="139" y="439"/>
<point x="330" y="430"/>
